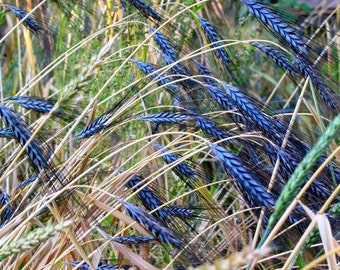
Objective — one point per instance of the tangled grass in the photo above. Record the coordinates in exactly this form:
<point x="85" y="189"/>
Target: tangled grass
<point x="176" y="135"/>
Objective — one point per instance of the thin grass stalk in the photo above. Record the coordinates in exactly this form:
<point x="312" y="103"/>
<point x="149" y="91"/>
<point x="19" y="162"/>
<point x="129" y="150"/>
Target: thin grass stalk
<point x="235" y="261"/>
<point x="219" y="221"/>
<point x="286" y="138"/>
<point x="314" y="263"/>
<point x="260" y="221"/>
<point x="299" y="244"/>
<point x="319" y="219"/>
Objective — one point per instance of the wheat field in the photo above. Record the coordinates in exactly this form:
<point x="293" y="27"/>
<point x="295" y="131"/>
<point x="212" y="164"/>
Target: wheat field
<point x="169" y="134"/>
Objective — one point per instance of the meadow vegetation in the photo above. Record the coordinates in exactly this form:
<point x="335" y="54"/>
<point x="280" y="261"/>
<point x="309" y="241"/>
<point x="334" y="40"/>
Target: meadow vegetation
<point x="169" y="135"/>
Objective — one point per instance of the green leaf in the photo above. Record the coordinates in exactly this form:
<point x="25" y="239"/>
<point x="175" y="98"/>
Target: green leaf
<point x="2" y="17"/>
